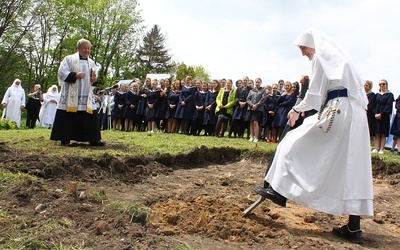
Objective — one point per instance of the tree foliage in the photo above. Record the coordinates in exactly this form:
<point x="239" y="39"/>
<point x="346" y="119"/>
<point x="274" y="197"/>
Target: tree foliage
<point x="36" y="35"/>
<point x="152" y="55"/>
<point x="197" y="72"/>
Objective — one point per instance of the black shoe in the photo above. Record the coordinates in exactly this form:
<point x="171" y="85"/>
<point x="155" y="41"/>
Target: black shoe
<point x="96" y="143"/>
<point x="65" y="143"/>
<point x="270" y="194"/>
<point x="353" y="236"/>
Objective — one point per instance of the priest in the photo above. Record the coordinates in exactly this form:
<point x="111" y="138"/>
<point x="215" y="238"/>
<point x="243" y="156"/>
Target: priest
<point x="76" y="117"/>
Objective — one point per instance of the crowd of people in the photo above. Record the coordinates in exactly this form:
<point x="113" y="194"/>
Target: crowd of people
<point x="246" y="109"/>
<point x="194" y="107"/>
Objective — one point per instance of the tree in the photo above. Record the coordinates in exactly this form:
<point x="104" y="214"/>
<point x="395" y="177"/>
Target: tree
<point x="152" y="54"/>
<point x="36" y="35"/>
<point x="197" y="72"/>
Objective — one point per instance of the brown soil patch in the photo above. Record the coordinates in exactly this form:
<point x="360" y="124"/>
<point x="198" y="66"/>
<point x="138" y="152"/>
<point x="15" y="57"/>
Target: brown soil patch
<point x="193" y="199"/>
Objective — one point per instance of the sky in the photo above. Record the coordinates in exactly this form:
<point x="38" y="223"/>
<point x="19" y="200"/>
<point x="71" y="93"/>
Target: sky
<point x="236" y="38"/>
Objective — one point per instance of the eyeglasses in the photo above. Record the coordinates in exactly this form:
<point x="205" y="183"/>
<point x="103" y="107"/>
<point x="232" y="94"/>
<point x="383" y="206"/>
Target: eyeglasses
<point x="382" y="84"/>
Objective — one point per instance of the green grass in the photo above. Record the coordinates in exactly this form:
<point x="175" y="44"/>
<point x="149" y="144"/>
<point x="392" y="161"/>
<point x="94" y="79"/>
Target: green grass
<point x="137" y="212"/>
<point x="7" y="178"/>
<point x="34" y="141"/>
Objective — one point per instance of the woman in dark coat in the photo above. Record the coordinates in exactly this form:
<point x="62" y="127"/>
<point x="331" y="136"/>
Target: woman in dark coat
<point x="153" y="100"/>
<point x="118" y="108"/>
<point x="198" y="116"/>
<point x="185" y="108"/>
<point x="270" y="106"/>
<point x="210" y="118"/>
<point x="132" y="100"/>
<point x="162" y="110"/>
<point x="140" y="113"/>
<point x="172" y="101"/>
<point x="238" y="118"/>
<point x="284" y="104"/>
<point x="382" y="111"/>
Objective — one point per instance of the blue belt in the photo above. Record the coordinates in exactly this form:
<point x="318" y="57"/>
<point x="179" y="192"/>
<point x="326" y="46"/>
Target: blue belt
<point x="336" y="93"/>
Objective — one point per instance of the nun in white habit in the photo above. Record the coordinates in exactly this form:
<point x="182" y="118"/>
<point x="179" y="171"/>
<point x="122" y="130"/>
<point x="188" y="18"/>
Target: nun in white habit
<point x="325" y="163"/>
<point x="13" y="102"/>
<point x="49" y="107"/>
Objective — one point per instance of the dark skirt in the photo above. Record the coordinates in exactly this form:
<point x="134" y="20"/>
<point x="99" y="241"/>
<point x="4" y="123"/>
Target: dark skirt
<point x="79" y="126"/>
<point x="267" y="120"/>
<point x="151" y="114"/>
<point x="239" y="113"/>
<point x="130" y="113"/>
<point x="381" y="126"/>
<point x="170" y="113"/>
<point x="252" y="116"/>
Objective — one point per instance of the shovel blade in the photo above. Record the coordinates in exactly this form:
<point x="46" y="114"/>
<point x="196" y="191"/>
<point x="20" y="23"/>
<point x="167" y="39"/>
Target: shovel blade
<point x="253" y="206"/>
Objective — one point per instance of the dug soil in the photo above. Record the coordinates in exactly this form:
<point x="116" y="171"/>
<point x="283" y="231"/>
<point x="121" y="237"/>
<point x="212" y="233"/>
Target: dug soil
<point x="194" y="201"/>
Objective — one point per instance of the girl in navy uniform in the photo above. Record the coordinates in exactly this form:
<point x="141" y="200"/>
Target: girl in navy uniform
<point x="140" y="113"/>
<point x="153" y="99"/>
<point x="162" y="110"/>
<point x="185" y="108"/>
<point x="210" y="119"/>
<point x="269" y="109"/>
<point x="117" y="111"/>
<point x="132" y="101"/>
<point x="382" y="111"/>
<point x="284" y="104"/>
<point x="199" y="101"/>
<point x="172" y="102"/>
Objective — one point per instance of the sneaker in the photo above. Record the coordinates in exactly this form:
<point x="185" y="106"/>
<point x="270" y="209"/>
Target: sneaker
<point x="251" y="139"/>
<point x="255" y="140"/>
<point x="380" y="152"/>
<point x="374" y="151"/>
<point x="353" y="236"/>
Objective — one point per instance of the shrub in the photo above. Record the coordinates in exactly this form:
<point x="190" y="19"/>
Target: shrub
<point x="6" y="124"/>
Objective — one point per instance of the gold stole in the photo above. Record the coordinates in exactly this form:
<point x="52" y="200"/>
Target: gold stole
<point x="72" y="100"/>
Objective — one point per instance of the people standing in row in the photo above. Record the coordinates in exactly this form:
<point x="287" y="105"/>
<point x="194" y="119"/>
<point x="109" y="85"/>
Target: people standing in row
<point x="33" y="105"/>
<point x="13" y="102"/>
<point x="381" y="121"/>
